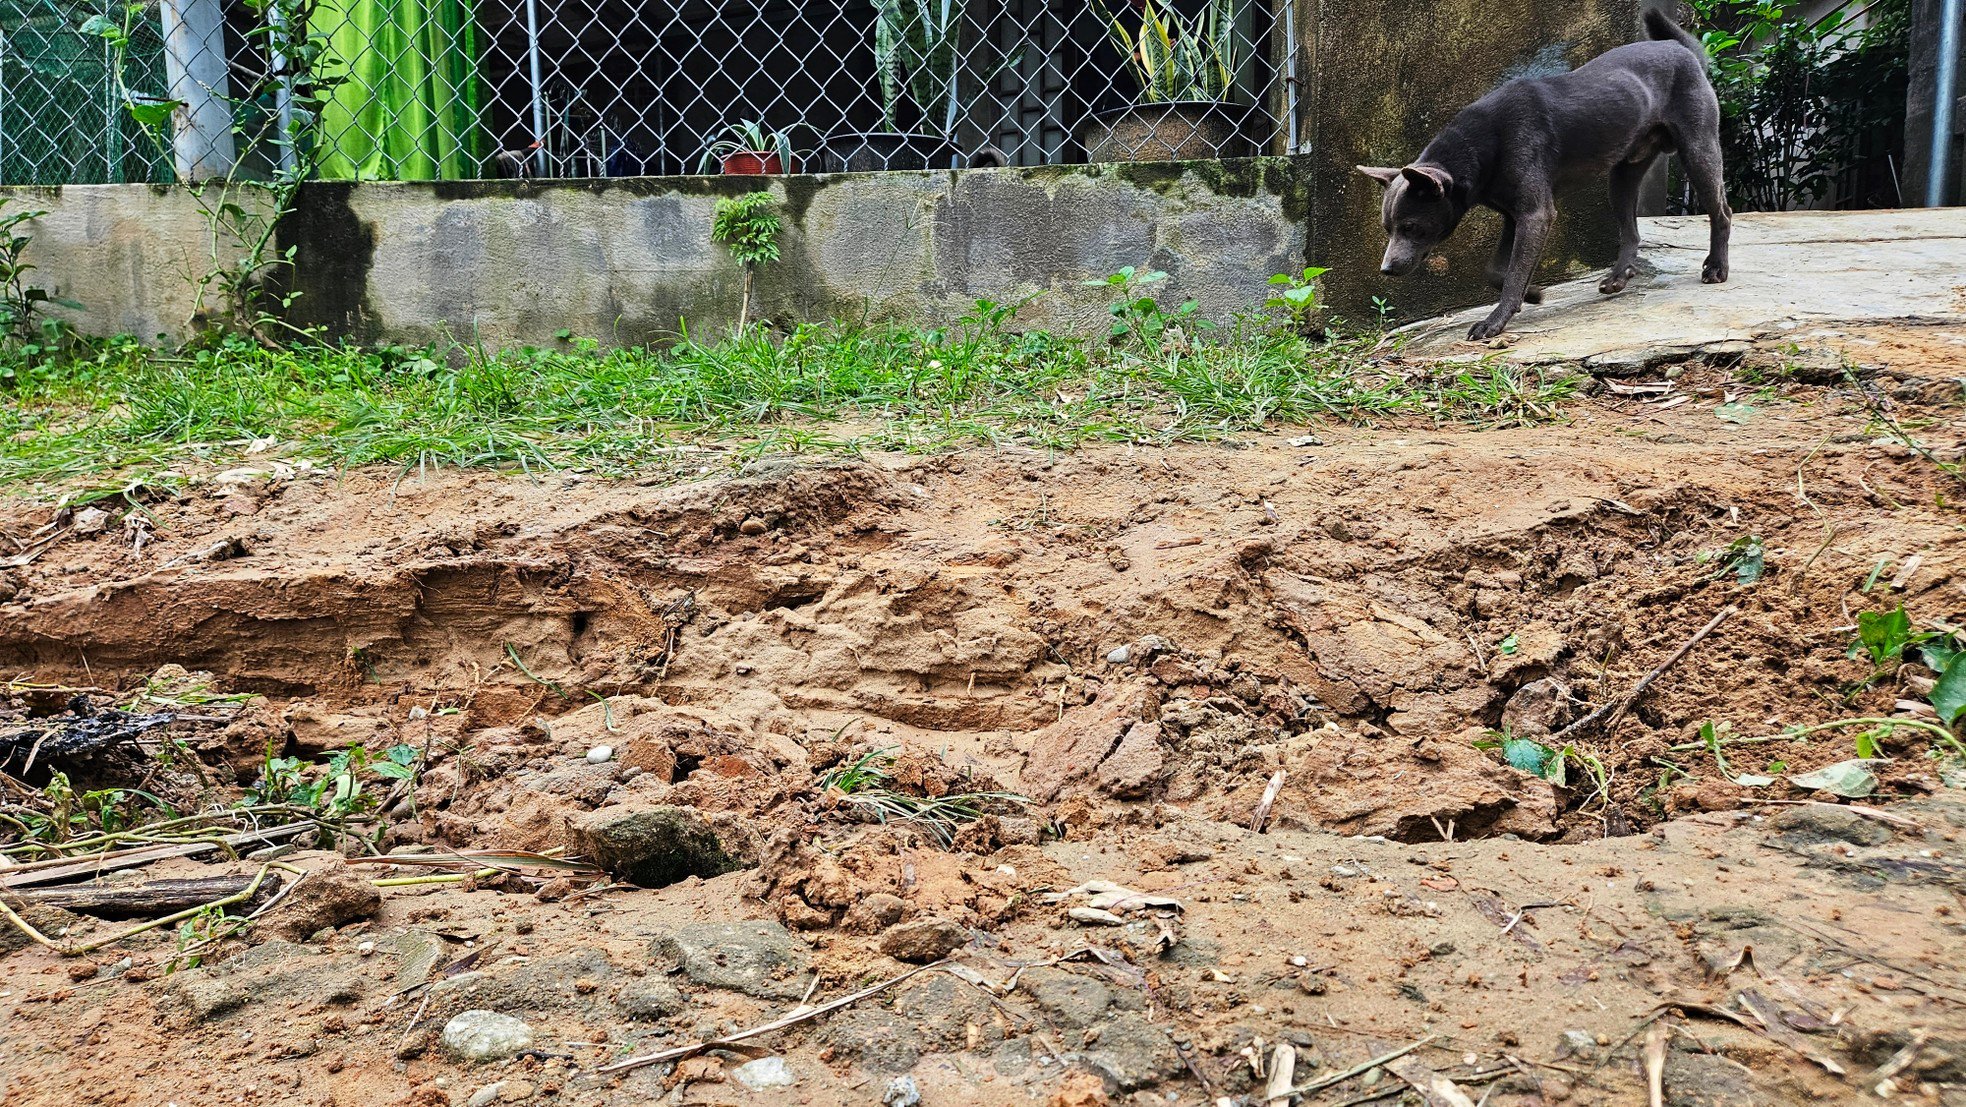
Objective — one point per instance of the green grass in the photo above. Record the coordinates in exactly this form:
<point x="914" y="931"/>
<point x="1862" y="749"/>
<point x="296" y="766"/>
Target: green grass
<point x="119" y="412"/>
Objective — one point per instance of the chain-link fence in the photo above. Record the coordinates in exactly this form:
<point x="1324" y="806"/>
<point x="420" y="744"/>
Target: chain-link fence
<point x="457" y="89"/>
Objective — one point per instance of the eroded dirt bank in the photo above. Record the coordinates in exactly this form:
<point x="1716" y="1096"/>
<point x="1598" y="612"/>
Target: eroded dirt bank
<point x="1140" y="641"/>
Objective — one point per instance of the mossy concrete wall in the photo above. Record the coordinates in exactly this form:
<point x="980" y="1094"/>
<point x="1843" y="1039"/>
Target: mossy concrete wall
<point x="1384" y="76"/>
<point x="630" y="260"/>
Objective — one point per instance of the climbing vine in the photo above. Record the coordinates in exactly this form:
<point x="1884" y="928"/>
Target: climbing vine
<point x="273" y="124"/>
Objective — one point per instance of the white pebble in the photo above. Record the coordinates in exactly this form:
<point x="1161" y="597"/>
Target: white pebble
<point x="365" y="948"/>
<point x="600" y="755"/>
<point x="1119" y="656"/>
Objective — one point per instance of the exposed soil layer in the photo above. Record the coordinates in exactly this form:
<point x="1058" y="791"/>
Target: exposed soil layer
<point x="1140" y="641"/>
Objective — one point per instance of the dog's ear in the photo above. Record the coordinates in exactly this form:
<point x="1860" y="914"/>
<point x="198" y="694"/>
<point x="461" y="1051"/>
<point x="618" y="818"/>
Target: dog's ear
<point x="1383" y="176"/>
<point x="1428" y="178"/>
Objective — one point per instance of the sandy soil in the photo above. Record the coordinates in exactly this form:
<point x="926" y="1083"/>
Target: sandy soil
<point x="1139" y="640"/>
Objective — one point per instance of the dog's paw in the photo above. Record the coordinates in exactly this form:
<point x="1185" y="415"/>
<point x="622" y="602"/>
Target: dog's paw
<point x="1486" y="329"/>
<point x="1714" y="272"/>
<point x="1615" y="281"/>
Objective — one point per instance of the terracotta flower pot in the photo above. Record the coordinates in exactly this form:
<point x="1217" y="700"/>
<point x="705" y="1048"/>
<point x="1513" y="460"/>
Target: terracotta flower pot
<point x="752" y="163"/>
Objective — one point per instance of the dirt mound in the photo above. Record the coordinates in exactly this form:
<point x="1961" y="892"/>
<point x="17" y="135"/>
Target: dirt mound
<point x="916" y="702"/>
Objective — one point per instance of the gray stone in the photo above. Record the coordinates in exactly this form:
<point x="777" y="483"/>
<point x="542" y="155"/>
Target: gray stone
<point x="480" y="1036"/>
<point x="1581" y="1044"/>
<point x="651" y="998"/>
<point x="271" y="970"/>
<point x="901" y="1092"/>
<point x="1701" y="1080"/>
<point x="758" y="958"/>
<point x="1067" y="999"/>
<point x="943" y="1009"/>
<point x="878" y="1039"/>
<point x="1132" y="1053"/>
<point x="1816" y="823"/>
<point x="486" y="1095"/>
<point x="652" y="847"/>
<point x="764" y="1073"/>
<point x="923" y="940"/>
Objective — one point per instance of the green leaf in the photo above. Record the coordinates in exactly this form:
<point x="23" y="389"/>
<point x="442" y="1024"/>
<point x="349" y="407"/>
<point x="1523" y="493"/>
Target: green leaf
<point x="1528" y="755"/>
<point x="392" y="770"/>
<point x="1884" y="634"/>
<point x="1848" y="779"/>
<point x="152" y="113"/>
<point x="1509" y="646"/>
<point x="1949" y="694"/>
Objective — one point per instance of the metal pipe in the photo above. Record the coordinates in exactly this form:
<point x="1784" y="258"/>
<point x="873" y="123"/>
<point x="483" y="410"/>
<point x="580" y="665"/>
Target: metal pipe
<point x="1938" y="175"/>
<point x="538" y="86"/>
<point x="1290" y="49"/>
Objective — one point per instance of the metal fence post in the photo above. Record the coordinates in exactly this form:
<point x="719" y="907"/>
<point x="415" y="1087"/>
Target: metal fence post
<point x="195" y="69"/>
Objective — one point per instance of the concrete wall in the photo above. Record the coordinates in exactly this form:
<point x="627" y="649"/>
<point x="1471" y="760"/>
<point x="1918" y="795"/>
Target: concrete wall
<point x="628" y="260"/>
<point x="1387" y="75"/>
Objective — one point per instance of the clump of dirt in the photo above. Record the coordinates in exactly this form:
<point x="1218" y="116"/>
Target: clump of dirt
<point x="921" y="703"/>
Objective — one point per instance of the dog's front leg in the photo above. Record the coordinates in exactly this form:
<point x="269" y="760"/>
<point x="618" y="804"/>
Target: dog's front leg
<point x="1532" y="231"/>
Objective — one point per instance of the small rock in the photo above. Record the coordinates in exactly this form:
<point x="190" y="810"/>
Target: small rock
<point x="923" y="940"/>
<point x="651" y="998"/>
<point x="600" y="755"/>
<point x="1537" y="708"/>
<point x="763" y="1073"/>
<point x="485" y="1036"/>
<point x="1119" y="656"/>
<point x="752" y="526"/>
<point x="757" y="958"/>
<point x="901" y="1092"/>
<point x="652" y="847"/>
<point x="874" y="913"/>
<point x="1136" y="766"/>
<point x="330" y="896"/>
<point x="91" y="520"/>
<point x="1133" y="1053"/>
<point x="1580" y="1044"/>
<point x="486" y="1095"/>
<point x="1829" y="823"/>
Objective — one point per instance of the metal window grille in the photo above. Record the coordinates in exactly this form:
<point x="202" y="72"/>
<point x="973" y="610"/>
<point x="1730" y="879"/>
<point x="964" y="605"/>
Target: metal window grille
<point x="594" y="88"/>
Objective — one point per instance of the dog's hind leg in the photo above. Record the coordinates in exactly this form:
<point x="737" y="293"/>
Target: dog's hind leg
<point x="1700" y="152"/>
<point x="1626" y="177"/>
<point x="1498" y="266"/>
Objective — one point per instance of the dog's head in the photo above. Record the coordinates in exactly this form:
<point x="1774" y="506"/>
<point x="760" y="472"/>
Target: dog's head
<point x="1419" y="213"/>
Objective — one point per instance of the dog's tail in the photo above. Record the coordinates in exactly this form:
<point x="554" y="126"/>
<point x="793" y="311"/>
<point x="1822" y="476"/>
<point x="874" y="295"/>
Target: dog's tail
<point x="1660" y="28"/>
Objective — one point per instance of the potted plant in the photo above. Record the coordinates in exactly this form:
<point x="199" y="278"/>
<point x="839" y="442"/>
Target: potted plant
<point x="917" y="55"/>
<point x="748" y="150"/>
<point x="749" y="226"/>
<point x="1186" y="69"/>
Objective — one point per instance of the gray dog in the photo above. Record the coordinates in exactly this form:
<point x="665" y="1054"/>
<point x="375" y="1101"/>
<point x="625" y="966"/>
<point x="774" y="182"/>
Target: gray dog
<point x="1514" y="148"/>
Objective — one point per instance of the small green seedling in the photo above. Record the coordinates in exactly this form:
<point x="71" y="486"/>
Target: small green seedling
<point x="749" y="226"/>
<point x="1301" y="300"/>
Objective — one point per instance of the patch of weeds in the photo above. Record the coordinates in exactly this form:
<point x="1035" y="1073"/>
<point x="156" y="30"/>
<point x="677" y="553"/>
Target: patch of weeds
<point x="865" y="785"/>
<point x="1550" y="763"/>
<point x="116" y="415"/>
<point x="342" y="786"/>
<point x="1745" y="558"/>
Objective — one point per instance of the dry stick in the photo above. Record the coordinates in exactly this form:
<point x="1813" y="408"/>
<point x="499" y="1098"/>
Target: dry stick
<point x="1617" y="708"/>
<point x="27" y="928"/>
<point x="1655" y="1063"/>
<point x="1262" y="816"/>
<point x="1360" y="1069"/>
<point x="794" y="1019"/>
<point x="1436" y="1090"/>
<point x="46" y="872"/>
<point x="1283" y="1069"/>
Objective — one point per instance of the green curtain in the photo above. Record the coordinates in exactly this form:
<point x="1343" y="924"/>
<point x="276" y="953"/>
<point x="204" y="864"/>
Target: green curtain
<point x="408" y="108"/>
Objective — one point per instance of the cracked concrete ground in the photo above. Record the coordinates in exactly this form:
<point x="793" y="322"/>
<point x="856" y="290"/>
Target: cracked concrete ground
<point x="1795" y="275"/>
